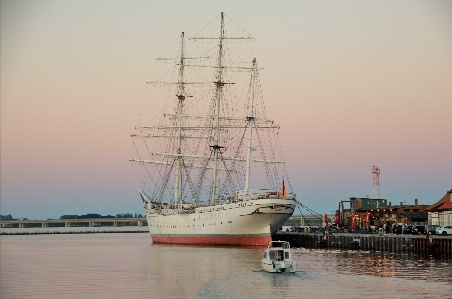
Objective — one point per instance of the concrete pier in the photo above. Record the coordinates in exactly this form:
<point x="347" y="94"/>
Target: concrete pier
<point x="73" y="222"/>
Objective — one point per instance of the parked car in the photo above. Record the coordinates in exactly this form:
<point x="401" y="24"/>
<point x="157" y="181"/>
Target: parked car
<point x="431" y="229"/>
<point x="418" y="230"/>
<point x="407" y="230"/>
<point x="444" y="230"/>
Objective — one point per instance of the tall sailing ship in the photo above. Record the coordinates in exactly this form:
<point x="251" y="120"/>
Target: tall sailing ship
<point x="200" y="163"/>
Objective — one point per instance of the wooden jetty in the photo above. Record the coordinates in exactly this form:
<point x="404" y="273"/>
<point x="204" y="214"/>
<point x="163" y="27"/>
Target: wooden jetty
<point x="392" y="243"/>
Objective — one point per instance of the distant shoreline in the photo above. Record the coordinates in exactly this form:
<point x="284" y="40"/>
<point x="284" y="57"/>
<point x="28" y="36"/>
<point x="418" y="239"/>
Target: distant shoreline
<point x="72" y="230"/>
<point x="65" y="233"/>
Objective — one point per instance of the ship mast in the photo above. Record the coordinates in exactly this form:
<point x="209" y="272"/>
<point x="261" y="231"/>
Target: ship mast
<point x="250" y="120"/>
<point x="181" y="97"/>
<point x="218" y="93"/>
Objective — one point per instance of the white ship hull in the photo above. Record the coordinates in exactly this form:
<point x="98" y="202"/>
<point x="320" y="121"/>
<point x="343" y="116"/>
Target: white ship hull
<point x="249" y="222"/>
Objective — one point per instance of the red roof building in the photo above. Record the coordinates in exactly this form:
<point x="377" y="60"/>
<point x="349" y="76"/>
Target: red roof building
<point x="440" y="213"/>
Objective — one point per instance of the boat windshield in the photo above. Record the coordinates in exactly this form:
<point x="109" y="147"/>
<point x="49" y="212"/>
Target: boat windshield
<point x="277" y="255"/>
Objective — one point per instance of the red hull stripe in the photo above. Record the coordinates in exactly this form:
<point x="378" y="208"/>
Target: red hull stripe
<point x="215" y="240"/>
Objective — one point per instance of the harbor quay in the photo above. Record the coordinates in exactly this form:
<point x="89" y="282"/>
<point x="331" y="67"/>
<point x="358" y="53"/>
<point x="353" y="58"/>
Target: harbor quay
<point x="95" y="222"/>
<point x="432" y="244"/>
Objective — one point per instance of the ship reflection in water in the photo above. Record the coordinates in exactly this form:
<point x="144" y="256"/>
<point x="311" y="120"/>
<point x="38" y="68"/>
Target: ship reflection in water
<point x="130" y="266"/>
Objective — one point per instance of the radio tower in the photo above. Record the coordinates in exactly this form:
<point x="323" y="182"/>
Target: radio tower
<point x="376" y="184"/>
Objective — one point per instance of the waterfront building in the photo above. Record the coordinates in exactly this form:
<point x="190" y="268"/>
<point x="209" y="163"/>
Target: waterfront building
<point x="381" y="211"/>
<point x="440" y="213"/>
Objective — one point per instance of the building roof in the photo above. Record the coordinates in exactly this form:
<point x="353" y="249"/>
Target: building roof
<point x="393" y="207"/>
<point x="443" y="204"/>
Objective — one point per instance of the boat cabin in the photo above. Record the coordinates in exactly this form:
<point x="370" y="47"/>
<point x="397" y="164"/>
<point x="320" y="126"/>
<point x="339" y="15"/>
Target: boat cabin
<point x="278" y="258"/>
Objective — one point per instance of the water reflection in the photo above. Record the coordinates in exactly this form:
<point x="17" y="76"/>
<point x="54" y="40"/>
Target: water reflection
<point x="381" y="265"/>
<point x="129" y="266"/>
<point x="377" y="264"/>
<point x="186" y="268"/>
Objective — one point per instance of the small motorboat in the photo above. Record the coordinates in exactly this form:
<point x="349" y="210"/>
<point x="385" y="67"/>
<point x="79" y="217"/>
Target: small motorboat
<point x="278" y="258"/>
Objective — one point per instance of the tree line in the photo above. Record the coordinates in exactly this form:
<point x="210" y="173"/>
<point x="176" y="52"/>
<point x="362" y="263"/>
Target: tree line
<point x="97" y="216"/>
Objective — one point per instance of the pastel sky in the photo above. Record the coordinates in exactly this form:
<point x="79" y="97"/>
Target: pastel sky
<point x="352" y="84"/>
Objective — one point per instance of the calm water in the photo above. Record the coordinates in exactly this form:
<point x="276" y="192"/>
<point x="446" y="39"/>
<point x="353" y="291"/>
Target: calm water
<point x="128" y="265"/>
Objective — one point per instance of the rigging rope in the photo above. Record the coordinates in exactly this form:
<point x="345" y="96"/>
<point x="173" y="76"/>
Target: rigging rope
<point x="317" y="215"/>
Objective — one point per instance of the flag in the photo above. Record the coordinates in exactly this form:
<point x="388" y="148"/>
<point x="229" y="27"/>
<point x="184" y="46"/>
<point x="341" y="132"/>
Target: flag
<point x="283" y="190"/>
<point x="337" y="220"/>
